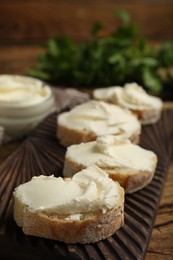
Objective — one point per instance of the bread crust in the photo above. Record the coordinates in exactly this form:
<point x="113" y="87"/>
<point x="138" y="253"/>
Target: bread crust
<point x="90" y="229"/>
<point x="69" y="136"/>
<point x="131" y="180"/>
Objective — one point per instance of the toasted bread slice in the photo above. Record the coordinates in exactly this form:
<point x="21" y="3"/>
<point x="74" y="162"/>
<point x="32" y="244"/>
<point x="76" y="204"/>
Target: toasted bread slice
<point x="83" y="209"/>
<point x="91" y="119"/>
<point x="133" y="97"/>
<point x="129" y="164"/>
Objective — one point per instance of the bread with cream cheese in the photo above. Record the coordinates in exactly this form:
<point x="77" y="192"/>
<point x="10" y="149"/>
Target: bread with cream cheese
<point x="91" y="119"/>
<point x="129" y="164"/>
<point x="133" y="97"/>
<point x="83" y="209"/>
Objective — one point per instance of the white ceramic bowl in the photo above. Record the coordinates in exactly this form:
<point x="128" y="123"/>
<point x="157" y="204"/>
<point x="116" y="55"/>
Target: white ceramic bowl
<point x="24" y="103"/>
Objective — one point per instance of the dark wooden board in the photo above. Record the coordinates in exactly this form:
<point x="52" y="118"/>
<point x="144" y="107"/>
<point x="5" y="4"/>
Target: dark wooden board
<point x="41" y="153"/>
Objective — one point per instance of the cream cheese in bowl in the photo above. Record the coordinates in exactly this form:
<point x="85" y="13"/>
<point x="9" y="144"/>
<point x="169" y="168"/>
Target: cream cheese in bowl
<point x="24" y="103"/>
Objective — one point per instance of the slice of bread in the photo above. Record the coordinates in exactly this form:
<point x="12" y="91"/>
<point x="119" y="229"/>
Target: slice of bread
<point x="129" y="164"/>
<point x="91" y="119"/>
<point x="83" y="209"/>
<point x="133" y="97"/>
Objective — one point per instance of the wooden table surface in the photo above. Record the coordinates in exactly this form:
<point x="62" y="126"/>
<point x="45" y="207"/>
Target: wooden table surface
<point x="161" y="242"/>
<point x="14" y="60"/>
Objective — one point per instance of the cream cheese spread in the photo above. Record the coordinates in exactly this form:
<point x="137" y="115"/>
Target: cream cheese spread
<point x="22" y="91"/>
<point x="105" y="94"/>
<point x="24" y="103"/>
<point x="100" y="118"/>
<point x="110" y="152"/>
<point x="90" y="190"/>
<point x="131" y="96"/>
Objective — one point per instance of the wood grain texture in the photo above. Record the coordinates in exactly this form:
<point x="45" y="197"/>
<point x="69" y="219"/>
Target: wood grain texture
<point x="161" y="243"/>
<point x="17" y="59"/>
<point x="33" y="21"/>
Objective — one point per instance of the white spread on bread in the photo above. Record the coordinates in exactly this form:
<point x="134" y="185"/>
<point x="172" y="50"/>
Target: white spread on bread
<point x="21" y="91"/>
<point x="131" y="96"/>
<point x="105" y="94"/>
<point x="90" y="190"/>
<point x="110" y="152"/>
<point x="100" y="118"/>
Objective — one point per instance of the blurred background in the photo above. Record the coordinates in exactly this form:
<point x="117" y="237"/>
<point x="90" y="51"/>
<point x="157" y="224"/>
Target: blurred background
<point x="26" y="25"/>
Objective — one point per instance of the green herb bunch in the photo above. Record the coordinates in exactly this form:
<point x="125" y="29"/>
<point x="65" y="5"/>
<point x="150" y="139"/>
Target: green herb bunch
<point x="123" y="56"/>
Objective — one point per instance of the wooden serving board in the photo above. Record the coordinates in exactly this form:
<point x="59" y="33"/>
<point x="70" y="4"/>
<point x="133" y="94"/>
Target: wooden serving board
<point x="41" y="153"/>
